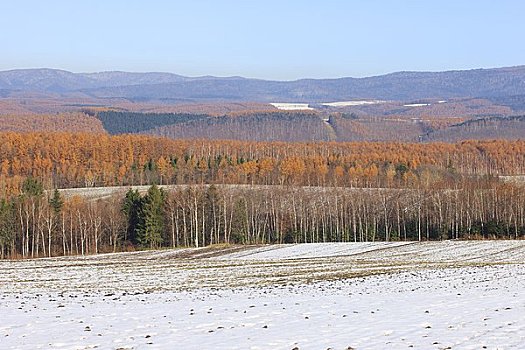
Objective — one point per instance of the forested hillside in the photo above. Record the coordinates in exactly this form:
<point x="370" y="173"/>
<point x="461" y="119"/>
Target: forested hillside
<point x="129" y="122"/>
<point x="72" y="122"/>
<point x="492" y="83"/>
<point x="506" y="128"/>
<point x="348" y="128"/>
<point x="428" y="108"/>
<point x="251" y="125"/>
<point x="302" y="126"/>
<point x="267" y="126"/>
<point x="516" y="102"/>
<point x="285" y="126"/>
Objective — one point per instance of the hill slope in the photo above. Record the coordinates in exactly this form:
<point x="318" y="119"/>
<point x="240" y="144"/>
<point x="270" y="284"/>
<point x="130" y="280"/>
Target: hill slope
<point x="506" y="128"/>
<point x="493" y="83"/>
<point x="268" y="126"/>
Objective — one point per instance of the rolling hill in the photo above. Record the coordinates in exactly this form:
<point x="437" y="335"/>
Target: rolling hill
<point x="504" y="128"/>
<point x="498" y="83"/>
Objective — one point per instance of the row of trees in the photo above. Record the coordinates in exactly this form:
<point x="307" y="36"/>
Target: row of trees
<point x="38" y="223"/>
<point x="61" y="160"/>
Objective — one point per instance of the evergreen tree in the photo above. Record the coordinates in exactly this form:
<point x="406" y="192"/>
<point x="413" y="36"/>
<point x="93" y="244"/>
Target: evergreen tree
<point x="150" y="226"/>
<point x="31" y="187"/>
<point x="7" y="229"/>
<point x="131" y="208"/>
<point x="239" y="222"/>
<point x="56" y="202"/>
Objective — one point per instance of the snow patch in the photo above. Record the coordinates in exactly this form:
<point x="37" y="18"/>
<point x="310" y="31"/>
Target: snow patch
<point x="291" y="106"/>
<point x="416" y="105"/>
<point x="352" y="103"/>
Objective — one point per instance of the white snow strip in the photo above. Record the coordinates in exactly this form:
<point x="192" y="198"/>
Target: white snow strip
<point x="352" y="103"/>
<point x="416" y="105"/>
<point x="310" y="250"/>
<point x="291" y="106"/>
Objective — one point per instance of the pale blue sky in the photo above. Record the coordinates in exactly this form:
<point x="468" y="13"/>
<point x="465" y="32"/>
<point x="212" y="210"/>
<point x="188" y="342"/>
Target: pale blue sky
<point x="271" y="39"/>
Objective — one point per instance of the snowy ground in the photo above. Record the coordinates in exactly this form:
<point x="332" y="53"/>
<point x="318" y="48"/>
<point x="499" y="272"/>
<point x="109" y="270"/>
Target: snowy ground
<point x="443" y="295"/>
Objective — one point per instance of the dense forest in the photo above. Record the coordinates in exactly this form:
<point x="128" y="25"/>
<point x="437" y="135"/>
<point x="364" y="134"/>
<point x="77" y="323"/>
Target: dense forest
<point x="378" y="129"/>
<point x="309" y="126"/>
<point x="276" y="125"/>
<point x="392" y="167"/>
<point x="129" y="122"/>
<point x="250" y="192"/>
<point x="252" y="125"/>
<point x="45" y="223"/>
<point x="267" y="126"/>
<point x="62" y="160"/>
<point x="72" y="122"/>
<point x="508" y="128"/>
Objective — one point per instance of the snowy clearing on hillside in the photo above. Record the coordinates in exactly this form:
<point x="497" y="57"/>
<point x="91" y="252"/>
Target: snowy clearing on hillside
<point x="291" y="106"/>
<point x="435" y="295"/>
<point x="352" y="103"/>
<point x="417" y="105"/>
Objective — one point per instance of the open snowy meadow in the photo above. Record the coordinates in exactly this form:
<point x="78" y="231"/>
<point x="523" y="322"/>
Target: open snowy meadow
<point x="403" y="295"/>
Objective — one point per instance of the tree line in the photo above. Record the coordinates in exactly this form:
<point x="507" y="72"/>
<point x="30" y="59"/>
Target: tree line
<point x="64" y="160"/>
<point x="39" y="223"/>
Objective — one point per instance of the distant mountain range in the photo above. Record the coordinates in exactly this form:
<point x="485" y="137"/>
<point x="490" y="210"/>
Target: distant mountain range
<point x="497" y="84"/>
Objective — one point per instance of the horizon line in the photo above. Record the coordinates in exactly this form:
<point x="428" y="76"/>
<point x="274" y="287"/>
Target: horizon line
<point x="263" y="79"/>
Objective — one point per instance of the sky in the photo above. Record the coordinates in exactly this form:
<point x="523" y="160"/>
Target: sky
<point x="267" y="39"/>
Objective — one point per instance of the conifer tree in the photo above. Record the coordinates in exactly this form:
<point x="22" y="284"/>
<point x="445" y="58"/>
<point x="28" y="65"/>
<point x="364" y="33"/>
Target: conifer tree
<point x="150" y="226"/>
<point x="7" y="220"/>
<point x="131" y="208"/>
<point x="56" y="202"/>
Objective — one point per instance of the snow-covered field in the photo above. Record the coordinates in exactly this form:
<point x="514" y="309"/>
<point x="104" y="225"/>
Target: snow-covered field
<point x="439" y="295"/>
